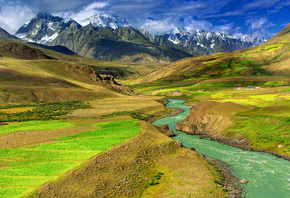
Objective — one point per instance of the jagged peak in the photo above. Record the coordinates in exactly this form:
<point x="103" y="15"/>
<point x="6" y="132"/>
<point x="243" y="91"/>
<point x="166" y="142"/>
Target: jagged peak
<point x="104" y="20"/>
<point x="47" y="17"/>
<point x="44" y="15"/>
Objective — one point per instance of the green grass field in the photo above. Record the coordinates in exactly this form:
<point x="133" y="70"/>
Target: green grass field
<point x="264" y="131"/>
<point x="34" y="125"/>
<point x="25" y="169"/>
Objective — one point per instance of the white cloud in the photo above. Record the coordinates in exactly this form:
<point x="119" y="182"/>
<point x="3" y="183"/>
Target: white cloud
<point x="258" y="27"/>
<point x="191" y="25"/>
<point x="260" y="23"/>
<point x="84" y="12"/>
<point x="159" y="27"/>
<point x="14" y="16"/>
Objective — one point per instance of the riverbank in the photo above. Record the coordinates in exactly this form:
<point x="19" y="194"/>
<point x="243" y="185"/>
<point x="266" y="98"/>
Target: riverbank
<point x="242" y="144"/>
<point x="257" y="170"/>
<point x="237" y="125"/>
<point x="231" y="183"/>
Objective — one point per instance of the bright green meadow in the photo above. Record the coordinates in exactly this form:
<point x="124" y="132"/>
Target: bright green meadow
<point x="25" y="169"/>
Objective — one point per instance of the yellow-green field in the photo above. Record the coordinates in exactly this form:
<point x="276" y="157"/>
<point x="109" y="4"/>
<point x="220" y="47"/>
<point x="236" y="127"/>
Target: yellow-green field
<point x="24" y="169"/>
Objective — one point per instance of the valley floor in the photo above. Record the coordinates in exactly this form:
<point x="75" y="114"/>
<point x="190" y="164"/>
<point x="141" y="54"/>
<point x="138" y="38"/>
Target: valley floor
<point x="147" y="164"/>
<point x="250" y="118"/>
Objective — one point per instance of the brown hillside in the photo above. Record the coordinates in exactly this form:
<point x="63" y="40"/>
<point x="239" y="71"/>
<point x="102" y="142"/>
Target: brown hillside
<point x="26" y="52"/>
<point x="42" y="78"/>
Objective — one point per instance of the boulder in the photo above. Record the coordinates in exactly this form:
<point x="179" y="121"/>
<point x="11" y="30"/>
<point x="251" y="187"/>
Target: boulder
<point x="243" y="181"/>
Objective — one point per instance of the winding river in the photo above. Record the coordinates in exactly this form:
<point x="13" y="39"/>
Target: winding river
<point x="267" y="175"/>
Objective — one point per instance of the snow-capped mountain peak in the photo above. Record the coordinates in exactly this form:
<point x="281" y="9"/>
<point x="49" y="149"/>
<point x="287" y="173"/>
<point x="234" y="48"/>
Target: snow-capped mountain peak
<point x="43" y="28"/>
<point x="202" y="42"/>
<point x="104" y="20"/>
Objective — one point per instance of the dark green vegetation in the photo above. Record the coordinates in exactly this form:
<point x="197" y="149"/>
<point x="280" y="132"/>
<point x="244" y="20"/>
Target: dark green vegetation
<point x="154" y="179"/>
<point x="40" y="111"/>
<point x="26" y="168"/>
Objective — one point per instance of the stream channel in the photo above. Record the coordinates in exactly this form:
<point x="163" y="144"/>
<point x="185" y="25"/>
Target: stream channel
<point x="267" y="175"/>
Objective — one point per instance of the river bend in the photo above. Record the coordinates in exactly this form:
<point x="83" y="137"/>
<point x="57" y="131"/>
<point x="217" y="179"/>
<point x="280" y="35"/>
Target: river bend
<point x="267" y="175"/>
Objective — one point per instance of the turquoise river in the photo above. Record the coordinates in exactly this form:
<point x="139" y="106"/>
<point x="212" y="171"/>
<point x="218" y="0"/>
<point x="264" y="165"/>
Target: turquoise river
<point x="267" y="175"/>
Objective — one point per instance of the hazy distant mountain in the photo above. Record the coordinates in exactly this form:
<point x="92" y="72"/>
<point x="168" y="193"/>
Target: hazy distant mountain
<point x="203" y="43"/>
<point x="104" y="37"/>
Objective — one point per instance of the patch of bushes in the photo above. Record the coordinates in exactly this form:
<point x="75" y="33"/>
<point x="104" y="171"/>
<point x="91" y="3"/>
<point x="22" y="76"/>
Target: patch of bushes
<point x="137" y="114"/>
<point x="154" y="179"/>
<point x="42" y="111"/>
<point x="274" y="83"/>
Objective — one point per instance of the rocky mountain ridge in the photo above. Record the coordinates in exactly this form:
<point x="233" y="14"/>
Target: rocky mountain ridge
<point x="4" y="34"/>
<point x="203" y="43"/>
<point x="44" y="28"/>
<point x="98" y="36"/>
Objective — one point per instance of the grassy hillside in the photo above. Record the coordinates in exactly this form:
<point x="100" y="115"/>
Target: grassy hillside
<point x="121" y="71"/>
<point x="268" y="59"/>
<point x="224" y="78"/>
<point x="29" y="75"/>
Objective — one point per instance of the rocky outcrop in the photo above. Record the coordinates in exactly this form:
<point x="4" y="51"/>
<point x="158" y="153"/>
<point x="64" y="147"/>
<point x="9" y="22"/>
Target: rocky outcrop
<point x="165" y="130"/>
<point x="26" y="52"/>
<point x="208" y="117"/>
<point x="106" y="80"/>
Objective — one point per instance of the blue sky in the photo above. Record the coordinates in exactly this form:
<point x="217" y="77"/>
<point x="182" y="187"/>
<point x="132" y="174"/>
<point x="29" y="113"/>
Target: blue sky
<point x="259" y="18"/>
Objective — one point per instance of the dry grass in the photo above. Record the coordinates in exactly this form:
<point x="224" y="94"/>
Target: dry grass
<point x="185" y="175"/>
<point x="124" y="103"/>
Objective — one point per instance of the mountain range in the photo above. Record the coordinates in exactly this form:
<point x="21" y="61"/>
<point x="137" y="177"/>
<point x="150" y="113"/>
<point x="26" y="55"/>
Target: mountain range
<point x="241" y="67"/>
<point x="110" y="38"/>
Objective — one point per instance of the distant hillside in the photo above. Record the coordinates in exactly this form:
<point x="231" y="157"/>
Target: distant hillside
<point x="268" y="59"/>
<point x="25" y="52"/>
<point x="29" y="75"/>
<point x="59" y="48"/>
<point x="5" y="34"/>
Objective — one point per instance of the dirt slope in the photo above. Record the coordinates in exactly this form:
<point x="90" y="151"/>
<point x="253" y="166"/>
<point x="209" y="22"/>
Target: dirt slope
<point x="125" y="170"/>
